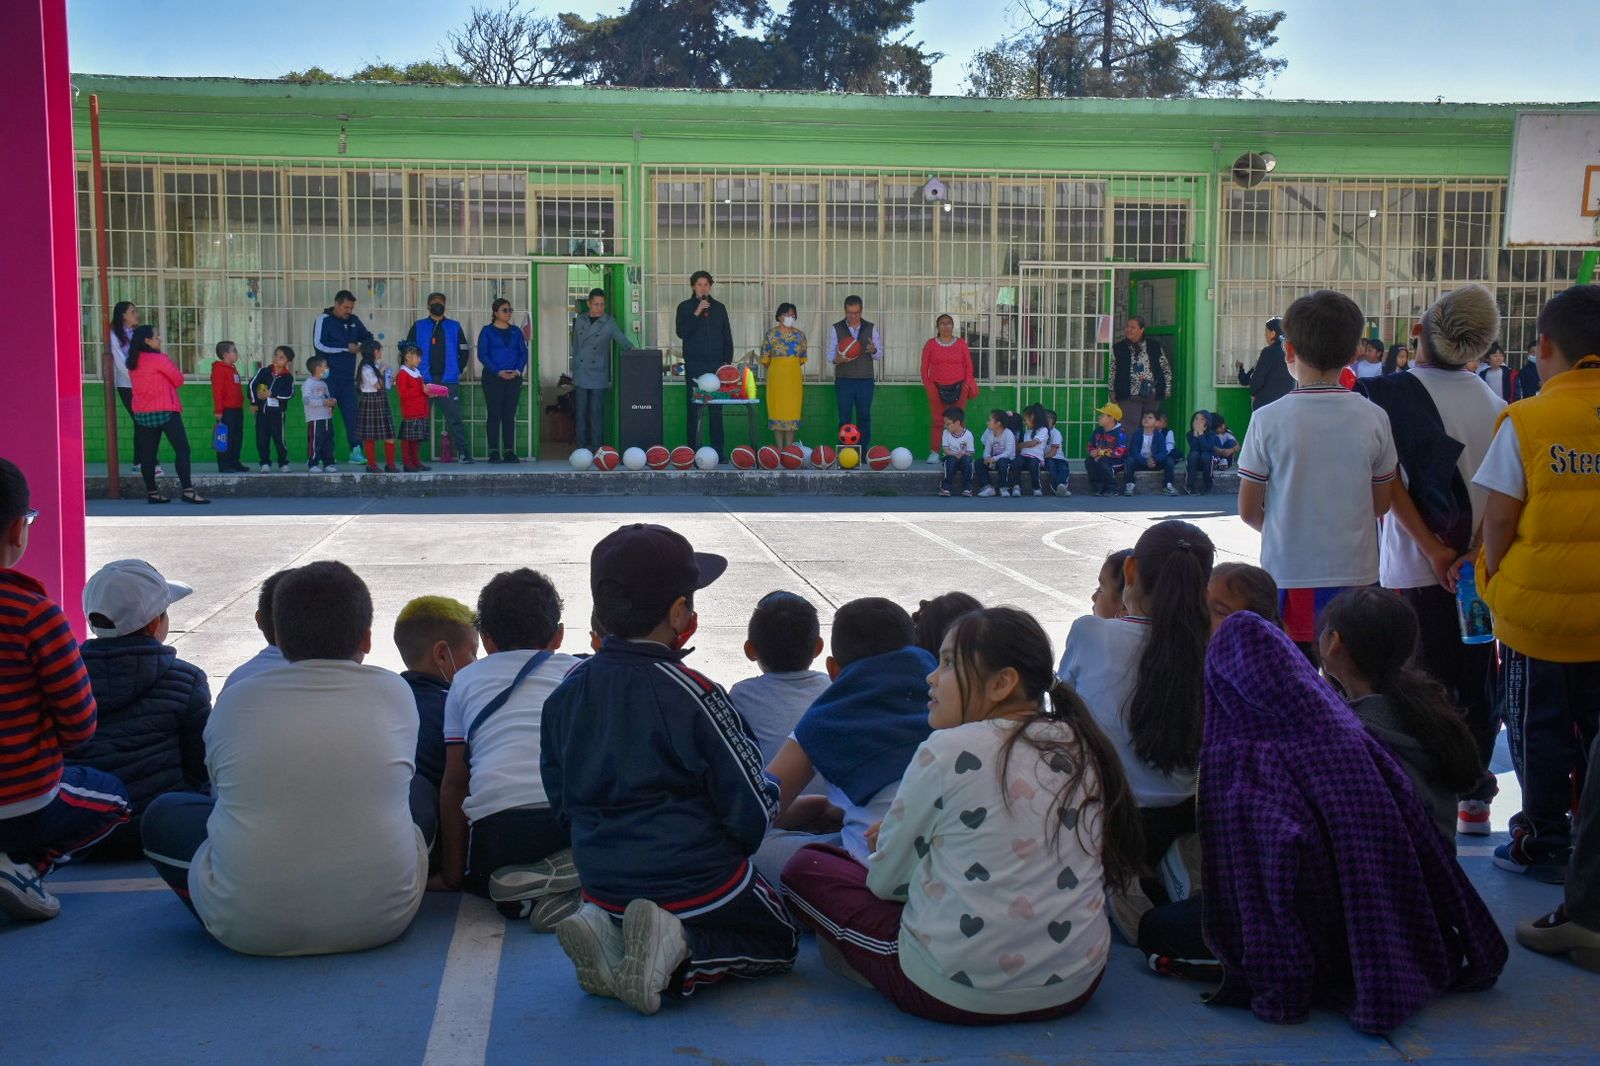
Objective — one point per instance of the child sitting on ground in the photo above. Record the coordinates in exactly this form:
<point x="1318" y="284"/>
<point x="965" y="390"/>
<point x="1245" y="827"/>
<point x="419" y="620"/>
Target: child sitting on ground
<point x="1149" y="450"/>
<point x="48" y="811"/>
<point x="784" y="638"/>
<point x="999" y="452"/>
<point x="1368" y="643"/>
<point x="1325" y="880"/>
<point x="374" y="420"/>
<point x="413" y="408"/>
<point x="269" y="656"/>
<point x="1313" y="502"/>
<point x="1242" y="587"/>
<point x="497" y="833"/>
<point x="1107" y="448"/>
<point x="1202" y="455"/>
<point x="982" y="902"/>
<point x="153" y="706"/>
<point x="1108" y="598"/>
<point x="957" y="448"/>
<point x="1055" y="458"/>
<point x="1030" y="450"/>
<point x="662" y="786"/>
<point x="934" y="617"/>
<point x="1227" y="444"/>
<point x="436" y="640"/>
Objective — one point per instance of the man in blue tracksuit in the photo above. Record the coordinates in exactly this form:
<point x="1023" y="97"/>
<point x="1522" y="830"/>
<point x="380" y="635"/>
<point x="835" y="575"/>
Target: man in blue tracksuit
<point x="338" y="335"/>
<point x="444" y="358"/>
<point x="663" y="788"/>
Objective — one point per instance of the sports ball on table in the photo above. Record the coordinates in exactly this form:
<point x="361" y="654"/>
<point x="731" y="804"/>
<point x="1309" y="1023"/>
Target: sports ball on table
<point x="657" y="457"/>
<point x="706" y="458"/>
<point x="768" y="457"/>
<point x="849" y="458"/>
<point x="606" y="457"/>
<point x="793" y="456"/>
<point x="633" y="459"/>
<point x="682" y="457"/>
<point x="743" y="457"/>
<point x="849" y="434"/>
<point x="878" y="457"/>
<point x="581" y="458"/>
<point x="707" y="383"/>
<point x="729" y="376"/>
<point x="900" y="458"/>
<point x="823" y="457"/>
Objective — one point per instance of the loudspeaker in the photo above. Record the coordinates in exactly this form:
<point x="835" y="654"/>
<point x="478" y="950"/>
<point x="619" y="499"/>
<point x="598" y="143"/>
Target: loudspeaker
<point x="639" y="420"/>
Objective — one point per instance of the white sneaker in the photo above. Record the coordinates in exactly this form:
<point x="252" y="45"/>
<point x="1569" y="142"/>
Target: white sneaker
<point x="22" y="892"/>
<point x="653" y="947"/>
<point x="315" y="468"/>
<point x="547" y="877"/>
<point x="1169" y="490"/>
<point x="550" y="911"/>
<point x="1062" y="490"/>
<point x="594" y="944"/>
<point x="357" y="456"/>
<point x="1472" y="818"/>
<point x="1038" y="492"/>
<point x="329" y="468"/>
<point x="266" y="468"/>
<point x="933" y="458"/>
<point x="987" y="490"/>
<point x="1127" y="490"/>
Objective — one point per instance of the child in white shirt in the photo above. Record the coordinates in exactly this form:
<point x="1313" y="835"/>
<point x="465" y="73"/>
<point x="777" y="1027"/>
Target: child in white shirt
<point x="1055" y="457"/>
<point x="957" y="449"/>
<point x="1030" y="450"/>
<point x="999" y="451"/>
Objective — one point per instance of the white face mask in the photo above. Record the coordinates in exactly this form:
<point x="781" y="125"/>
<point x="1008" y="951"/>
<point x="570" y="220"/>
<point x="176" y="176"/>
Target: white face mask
<point x="790" y="320"/>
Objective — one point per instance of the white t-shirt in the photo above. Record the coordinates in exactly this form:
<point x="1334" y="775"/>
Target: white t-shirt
<point x="265" y="659"/>
<point x="503" y="755"/>
<point x="119" y="363"/>
<point x="1319" y="451"/>
<point x="1494" y="377"/>
<point x="1501" y="470"/>
<point x="1052" y="447"/>
<point x="1101" y="662"/>
<point x="311" y="849"/>
<point x="1468" y="409"/>
<point x="999" y="446"/>
<point x="1033" y="442"/>
<point x="957" y="444"/>
<point x="772" y="704"/>
<point x="1365" y="369"/>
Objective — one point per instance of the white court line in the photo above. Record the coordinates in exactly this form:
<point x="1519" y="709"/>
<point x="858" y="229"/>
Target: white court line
<point x="110" y="884"/>
<point x="1469" y="850"/>
<point x="1051" y="542"/>
<point x="465" y="1007"/>
<point x="771" y="555"/>
<point x="999" y="568"/>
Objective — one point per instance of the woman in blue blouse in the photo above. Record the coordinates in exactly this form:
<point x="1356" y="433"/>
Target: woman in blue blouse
<point x="503" y="352"/>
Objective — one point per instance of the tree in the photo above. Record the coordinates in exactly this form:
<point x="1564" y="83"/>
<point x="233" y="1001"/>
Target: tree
<point x="509" y="46"/>
<point x="1138" y="48"/>
<point x="836" y="46"/>
<point x="423" y="71"/>
<point x="673" y="44"/>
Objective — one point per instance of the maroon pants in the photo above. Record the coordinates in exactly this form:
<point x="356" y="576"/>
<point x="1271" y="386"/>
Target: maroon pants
<point x="828" y="888"/>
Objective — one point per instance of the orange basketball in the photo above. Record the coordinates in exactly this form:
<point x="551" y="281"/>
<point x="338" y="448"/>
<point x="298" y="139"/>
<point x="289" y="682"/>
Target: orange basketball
<point x="657" y="457"/>
<point x="744" y="457"/>
<point x="768" y="457"/>
<point x="878" y="457"/>
<point x="682" y="457"/>
<point x="606" y="457"/>
<point x="794" y="457"/>
<point x="849" y="348"/>
<point x="822" y="457"/>
<point x="728" y="374"/>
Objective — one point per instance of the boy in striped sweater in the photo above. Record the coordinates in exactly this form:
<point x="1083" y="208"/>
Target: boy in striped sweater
<point x="48" y="811"/>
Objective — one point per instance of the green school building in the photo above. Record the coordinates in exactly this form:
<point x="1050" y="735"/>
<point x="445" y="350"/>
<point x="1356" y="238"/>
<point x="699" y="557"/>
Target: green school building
<point x="234" y="210"/>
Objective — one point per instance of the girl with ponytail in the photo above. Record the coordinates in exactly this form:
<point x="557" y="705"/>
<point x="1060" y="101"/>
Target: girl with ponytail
<point x="1368" y="640"/>
<point x="982" y="902"/>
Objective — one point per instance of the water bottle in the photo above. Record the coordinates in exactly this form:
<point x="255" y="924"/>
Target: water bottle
<point x="1477" y="626"/>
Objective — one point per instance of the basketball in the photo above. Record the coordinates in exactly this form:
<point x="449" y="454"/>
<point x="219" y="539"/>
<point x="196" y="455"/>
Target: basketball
<point x="633" y="459"/>
<point x="768" y="457"/>
<point x="849" y="458"/>
<point x="606" y="457"/>
<point x="849" y="434"/>
<point x="900" y="458"/>
<point x="581" y="459"/>
<point x="822" y="457"/>
<point x="744" y="457"/>
<point x="706" y="458"/>
<point x="878" y="457"/>
<point x="657" y="458"/>
<point x="849" y="348"/>
<point x="793" y="456"/>
<point x="682" y="457"/>
<point x="728" y="374"/>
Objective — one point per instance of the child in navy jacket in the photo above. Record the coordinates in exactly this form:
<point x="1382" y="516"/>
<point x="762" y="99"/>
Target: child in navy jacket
<point x="662" y="785"/>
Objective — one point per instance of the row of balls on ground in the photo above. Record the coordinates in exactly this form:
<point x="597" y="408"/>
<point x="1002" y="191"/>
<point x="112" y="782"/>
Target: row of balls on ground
<point x="744" y="457"/>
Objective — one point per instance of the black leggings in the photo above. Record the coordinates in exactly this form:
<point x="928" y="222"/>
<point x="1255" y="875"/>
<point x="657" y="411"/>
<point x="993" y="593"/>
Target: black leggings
<point x="501" y="396"/>
<point x="147" y="441"/>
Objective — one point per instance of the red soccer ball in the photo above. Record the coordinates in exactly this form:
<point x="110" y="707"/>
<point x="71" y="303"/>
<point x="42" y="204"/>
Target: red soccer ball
<point x="606" y="457"/>
<point x="768" y="457"/>
<point x="823" y="457"/>
<point x="657" y="457"/>
<point x="793" y="456"/>
<point x="743" y="457"/>
<point x="849" y="435"/>
<point x="683" y="457"/>
<point x="878" y="457"/>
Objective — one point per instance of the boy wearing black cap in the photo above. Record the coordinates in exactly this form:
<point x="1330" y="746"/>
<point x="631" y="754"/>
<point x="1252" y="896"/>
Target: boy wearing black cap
<point x="663" y="787"/>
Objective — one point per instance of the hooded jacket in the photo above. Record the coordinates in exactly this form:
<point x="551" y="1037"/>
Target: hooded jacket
<point x="153" y="712"/>
<point x="860" y="734"/>
<point x="1325" y="879"/>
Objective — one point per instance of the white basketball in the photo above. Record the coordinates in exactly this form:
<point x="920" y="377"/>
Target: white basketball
<point x="634" y="459"/>
<point x="581" y="459"/>
<point x="900" y="458"/>
<point x="706" y="458"/>
<point x="707" y="383"/>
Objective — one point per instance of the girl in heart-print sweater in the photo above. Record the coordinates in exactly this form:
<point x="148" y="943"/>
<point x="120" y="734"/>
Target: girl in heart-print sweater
<point x="996" y="843"/>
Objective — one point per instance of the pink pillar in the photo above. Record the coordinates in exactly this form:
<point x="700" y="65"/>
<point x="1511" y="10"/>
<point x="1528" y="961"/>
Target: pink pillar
<point x="42" y="428"/>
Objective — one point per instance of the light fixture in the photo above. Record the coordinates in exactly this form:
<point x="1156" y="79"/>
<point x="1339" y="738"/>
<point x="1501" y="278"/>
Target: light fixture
<point x="1270" y="160"/>
<point x="1372" y="212"/>
<point x="948" y="207"/>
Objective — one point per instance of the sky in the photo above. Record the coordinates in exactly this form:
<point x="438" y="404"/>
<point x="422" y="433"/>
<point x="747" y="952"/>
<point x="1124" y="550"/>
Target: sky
<point x="1458" y="50"/>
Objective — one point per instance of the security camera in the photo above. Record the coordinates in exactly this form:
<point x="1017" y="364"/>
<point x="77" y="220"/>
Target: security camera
<point x="935" y="192"/>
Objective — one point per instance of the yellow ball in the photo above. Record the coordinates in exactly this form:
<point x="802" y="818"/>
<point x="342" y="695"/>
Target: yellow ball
<point x="849" y="458"/>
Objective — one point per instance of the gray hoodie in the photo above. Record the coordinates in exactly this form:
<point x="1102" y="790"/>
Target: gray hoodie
<point x="591" y="350"/>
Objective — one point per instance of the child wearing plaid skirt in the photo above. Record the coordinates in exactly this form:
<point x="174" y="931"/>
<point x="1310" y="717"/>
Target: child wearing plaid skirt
<point x="374" y="422"/>
<point x="413" y="408"/>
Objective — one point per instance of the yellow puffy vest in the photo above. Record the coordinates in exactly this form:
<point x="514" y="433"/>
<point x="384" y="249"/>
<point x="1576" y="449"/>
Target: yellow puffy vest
<point x="1546" y="594"/>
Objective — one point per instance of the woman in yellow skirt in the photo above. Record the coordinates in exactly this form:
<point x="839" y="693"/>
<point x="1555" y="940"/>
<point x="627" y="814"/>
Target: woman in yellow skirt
<point x="783" y="353"/>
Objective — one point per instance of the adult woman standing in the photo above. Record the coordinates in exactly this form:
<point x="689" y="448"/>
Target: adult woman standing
<point x="155" y="382"/>
<point x="947" y="376"/>
<point x="1270" y="380"/>
<point x="503" y="351"/>
<point x="124" y="320"/>
<point x="783" y="353"/>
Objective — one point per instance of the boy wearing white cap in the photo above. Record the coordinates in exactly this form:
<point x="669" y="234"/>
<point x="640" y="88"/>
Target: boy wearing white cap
<point x="153" y="705"/>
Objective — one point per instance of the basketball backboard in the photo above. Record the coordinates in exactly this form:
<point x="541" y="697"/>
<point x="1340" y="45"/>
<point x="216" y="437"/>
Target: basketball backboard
<point x="1554" y="195"/>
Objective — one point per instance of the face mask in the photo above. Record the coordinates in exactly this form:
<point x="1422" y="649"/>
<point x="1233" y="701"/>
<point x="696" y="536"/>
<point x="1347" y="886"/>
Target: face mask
<point x="683" y="638"/>
<point x="790" y="321"/>
<point x="436" y="309"/>
<point x="454" y="669"/>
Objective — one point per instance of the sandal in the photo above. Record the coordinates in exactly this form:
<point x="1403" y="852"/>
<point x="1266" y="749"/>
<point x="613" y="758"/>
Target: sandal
<point x="156" y="497"/>
<point x="191" y="496"/>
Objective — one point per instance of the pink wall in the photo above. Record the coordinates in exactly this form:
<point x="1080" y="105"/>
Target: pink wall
<point x="41" y="429"/>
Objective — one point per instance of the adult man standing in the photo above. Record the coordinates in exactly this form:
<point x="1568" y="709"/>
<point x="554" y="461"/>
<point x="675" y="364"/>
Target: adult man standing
<point x="707" y="337"/>
<point x="1141" y="375"/>
<point x="592" y="335"/>
<point x="444" y="357"/>
<point x="855" y="353"/>
<point x="338" y="334"/>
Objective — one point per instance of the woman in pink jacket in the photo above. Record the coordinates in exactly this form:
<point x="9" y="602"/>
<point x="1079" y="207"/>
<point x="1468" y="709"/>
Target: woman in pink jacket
<point x="156" y="412"/>
<point x="947" y="375"/>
